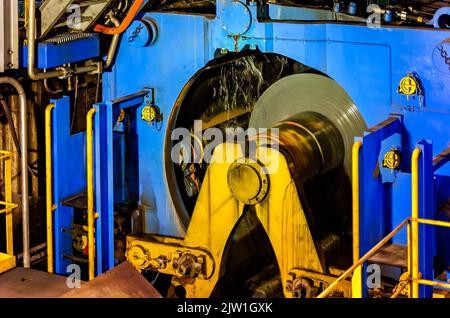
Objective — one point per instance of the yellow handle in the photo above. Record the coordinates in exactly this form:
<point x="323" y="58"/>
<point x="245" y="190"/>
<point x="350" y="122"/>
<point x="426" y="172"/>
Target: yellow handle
<point x="90" y="192"/>
<point x="48" y="185"/>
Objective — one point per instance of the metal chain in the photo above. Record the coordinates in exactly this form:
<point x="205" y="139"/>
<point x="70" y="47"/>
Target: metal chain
<point x="444" y="55"/>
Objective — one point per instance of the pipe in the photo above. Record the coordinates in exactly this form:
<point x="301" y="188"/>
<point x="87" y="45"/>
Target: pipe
<point x="23" y="164"/>
<point x="48" y="185"/>
<point x="415" y="226"/>
<point x="31" y="33"/>
<point x="31" y="57"/>
<point x="90" y="192"/>
<point x="34" y="250"/>
<point x="114" y="43"/>
<point x="125" y="23"/>
<point x="357" y="275"/>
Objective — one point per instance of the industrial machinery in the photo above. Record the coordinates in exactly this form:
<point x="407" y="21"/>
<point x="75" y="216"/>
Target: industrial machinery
<point x="251" y="148"/>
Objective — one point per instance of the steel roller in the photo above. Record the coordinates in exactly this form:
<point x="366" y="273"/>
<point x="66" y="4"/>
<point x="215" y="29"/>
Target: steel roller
<point x="317" y="120"/>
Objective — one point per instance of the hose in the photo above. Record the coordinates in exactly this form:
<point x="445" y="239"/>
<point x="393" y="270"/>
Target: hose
<point x="125" y="23"/>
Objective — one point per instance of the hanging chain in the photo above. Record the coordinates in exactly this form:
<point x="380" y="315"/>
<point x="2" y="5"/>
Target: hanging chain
<point x="444" y="55"/>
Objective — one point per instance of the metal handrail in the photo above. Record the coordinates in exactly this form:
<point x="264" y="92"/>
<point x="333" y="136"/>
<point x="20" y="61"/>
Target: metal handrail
<point x="413" y="233"/>
<point x="48" y="186"/>
<point x="90" y="192"/>
<point x="409" y="222"/>
<point x="9" y="206"/>
<point x="357" y="275"/>
<point x="361" y="261"/>
<point x="415" y="226"/>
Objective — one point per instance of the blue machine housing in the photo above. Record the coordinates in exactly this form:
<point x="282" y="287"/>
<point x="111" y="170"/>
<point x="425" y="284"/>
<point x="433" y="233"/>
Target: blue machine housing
<point x="368" y="62"/>
<point x="51" y="55"/>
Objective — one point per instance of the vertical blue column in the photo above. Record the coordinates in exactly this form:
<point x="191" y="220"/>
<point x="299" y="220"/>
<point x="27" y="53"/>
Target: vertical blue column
<point x="374" y="201"/>
<point x="104" y="186"/>
<point x="69" y="178"/>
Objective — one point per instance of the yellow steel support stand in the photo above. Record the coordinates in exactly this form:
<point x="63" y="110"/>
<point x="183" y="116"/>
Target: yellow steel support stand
<point x="357" y="275"/>
<point x="215" y="215"/>
<point x="48" y="186"/>
<point x="90" y="192"/>
<point x="7" y="260"/>
<point x="415" y="226"/>
<point x="282" y="216"/>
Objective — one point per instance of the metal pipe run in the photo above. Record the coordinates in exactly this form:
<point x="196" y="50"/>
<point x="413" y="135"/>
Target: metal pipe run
<point x="23" y="164"/>
<point x="33" y="74"/>
<point x="114" y="43"/>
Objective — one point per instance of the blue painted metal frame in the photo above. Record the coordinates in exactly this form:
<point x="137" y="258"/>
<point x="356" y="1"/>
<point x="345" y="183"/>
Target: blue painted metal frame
<point x="51" y="55"/>
<point x="109" y="182"/>
<point x="367" y="62"/>
<point x="384" y="205"/>
<point x="69" y="178"/>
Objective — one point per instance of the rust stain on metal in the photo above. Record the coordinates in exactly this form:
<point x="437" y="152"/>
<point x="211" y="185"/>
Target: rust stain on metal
<point x="29" y="283"/>
<point x="123" y="281"/>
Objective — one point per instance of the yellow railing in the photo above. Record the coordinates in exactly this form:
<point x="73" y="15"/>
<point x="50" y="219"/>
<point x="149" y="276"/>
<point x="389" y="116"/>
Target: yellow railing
<point x="7" y="260"/>
<point x="412" y="224"/>
<point x="90" y="192"/>
<point x="413" y="246"/>
<point x="50" y="207"/>
<point x="356" y="278"/>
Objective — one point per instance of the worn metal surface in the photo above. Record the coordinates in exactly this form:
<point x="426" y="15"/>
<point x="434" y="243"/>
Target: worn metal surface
<point x="393" y="254"/>
<point x="29" y="283"/>
<point x="123" y="281"/>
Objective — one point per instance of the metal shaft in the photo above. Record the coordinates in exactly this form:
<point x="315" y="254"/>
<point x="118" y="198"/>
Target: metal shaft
<point x="114" y="44"/>
<point x="311" y="143"/>
<point x="23" y="164"/>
